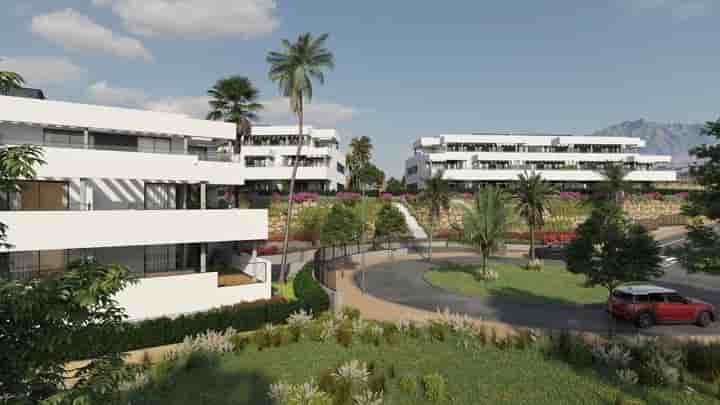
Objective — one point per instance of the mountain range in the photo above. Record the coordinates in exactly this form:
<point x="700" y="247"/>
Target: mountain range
<point x="662" y="138"/>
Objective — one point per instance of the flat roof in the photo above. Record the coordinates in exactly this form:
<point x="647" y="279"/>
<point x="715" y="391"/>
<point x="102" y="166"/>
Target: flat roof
<point x="62" y="114"/>
<point x="289" y="130"/>
<point x="530" y="139"/>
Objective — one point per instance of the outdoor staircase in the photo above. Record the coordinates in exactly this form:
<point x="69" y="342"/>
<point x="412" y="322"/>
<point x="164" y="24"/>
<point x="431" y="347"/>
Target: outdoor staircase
<point x="415" y="229"/>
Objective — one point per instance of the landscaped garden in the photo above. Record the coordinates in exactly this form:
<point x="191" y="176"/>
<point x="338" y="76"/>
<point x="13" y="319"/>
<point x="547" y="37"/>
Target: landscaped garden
<point x="514" y="283"/>
<point x="345" y="360"/>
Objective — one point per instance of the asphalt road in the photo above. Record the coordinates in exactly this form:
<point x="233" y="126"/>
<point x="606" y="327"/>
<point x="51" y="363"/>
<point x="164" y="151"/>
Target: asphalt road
<point x="402" y="282"/>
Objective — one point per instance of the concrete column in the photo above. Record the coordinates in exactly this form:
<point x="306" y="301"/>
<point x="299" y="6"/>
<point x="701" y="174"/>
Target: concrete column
<point x="86" y="195"/>
<point x="86" y="138"/>
<point x="185" y="144"/>
<point x="203" y="195"/>
<point x="203" y="257"/>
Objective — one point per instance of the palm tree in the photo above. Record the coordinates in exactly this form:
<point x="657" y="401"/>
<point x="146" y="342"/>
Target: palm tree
<point x="533" y="202"/>
<point x="234" y="99"/>
<point x="485" y="221"/>
<point x="294" y="69"/>
<point x="614" y="186"/>
<point x="10" y="80"/>
<point x="359" y="157"/>
<point x="437" y="196"/>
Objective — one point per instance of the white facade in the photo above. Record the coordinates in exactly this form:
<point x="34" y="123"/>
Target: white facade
<point x="268" y="157"/>
<point x="469" y="160"/>
<point x="143" y="189"/>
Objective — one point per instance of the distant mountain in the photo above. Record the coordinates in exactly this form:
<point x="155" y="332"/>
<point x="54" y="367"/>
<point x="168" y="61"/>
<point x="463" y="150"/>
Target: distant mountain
<point x="662" y="139"/>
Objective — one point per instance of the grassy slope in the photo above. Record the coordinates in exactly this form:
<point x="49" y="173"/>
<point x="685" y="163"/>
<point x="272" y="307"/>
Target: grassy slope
<point x="553" y="284"/>
<point x="486" y="376"/>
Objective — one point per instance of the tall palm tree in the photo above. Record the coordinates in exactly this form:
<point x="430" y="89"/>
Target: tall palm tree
<point x="437" y="196"/>
<point x="485" y="221"/>
<point x="615" y="185"/>
<point x="10" y="80"/>
<point x="533" y="202"/>
<point x="294" y="69"/>
<point x="235" y="99"/>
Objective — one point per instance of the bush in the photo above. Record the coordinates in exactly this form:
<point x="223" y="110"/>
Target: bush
<point x="344" y="337"/>
<point x="246" y="316"/>
<point x="703" y="359"/>
<point x="342" y="225"/>
<point x="201" y="359"/>
<point x="438" y="331"/>
<point x="239" y="342"/>
<point x="351" y="313"/>
<point x="408" y="384"/>
<point x="390" y="222"/>
<point x="435" y="387"/>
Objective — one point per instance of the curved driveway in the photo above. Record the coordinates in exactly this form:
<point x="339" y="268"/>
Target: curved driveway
<point x="402" y="282"/>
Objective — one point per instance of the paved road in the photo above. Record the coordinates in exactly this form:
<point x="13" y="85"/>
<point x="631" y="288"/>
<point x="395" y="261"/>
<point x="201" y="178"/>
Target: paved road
<point x="402" y="282"/>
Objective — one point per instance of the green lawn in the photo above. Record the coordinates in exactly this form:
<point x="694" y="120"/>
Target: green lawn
<point x="485" y="375"/>
<point x="553" y="284"/>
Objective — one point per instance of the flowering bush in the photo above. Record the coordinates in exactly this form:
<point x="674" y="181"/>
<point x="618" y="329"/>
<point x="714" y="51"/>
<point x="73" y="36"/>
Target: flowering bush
<point x="468" y="196"/>
<point x="682" y="195"/>
<point x="548" y="238"/>
<point x="269" y="250"/>
<point x="210" y="341"/>
<point x="570" y="195"/>
<point x="304" y="196"/>
<point x="386" y="196"/>
<point x="347" y="196"/>
<point x="654" y="195"/>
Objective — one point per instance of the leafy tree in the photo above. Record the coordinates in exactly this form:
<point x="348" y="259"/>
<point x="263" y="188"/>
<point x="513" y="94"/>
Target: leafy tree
<point x="609" y="250"/>
<point x="342" y="225"/>
<point x="395" y="186"/>
<point x="294" y="69"/>
<point x="533" y="203"/>
<point x="235" y="99"/>
<point x="390" y="222"/>
<point x="703" y="241"/>
<point x="43" y="327"/>
<point x="16" y="162"/>
<point x="371" y="175"/>
<point x="614" y="186"/>
<point x="437" y="196"/>
<point x="358" y="160"/>
<point x="9" y="81"/>
<point x="485" y="221"/>
<point x="311" y="221"/>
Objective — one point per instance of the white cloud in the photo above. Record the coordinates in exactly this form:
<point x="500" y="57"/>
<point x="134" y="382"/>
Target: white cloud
<point x="679" y="9"/>
<point x="103" y="93"/>
<point x="76" y="31"/>
<point x="38" y="70"/>
<point x="192" y="106"/>
<point x="196" y="19"/>
<point x="277" y="111"/>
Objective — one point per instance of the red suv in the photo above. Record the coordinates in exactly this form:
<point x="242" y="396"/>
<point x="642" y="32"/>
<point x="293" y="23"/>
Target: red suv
<point x="646" y="305"/>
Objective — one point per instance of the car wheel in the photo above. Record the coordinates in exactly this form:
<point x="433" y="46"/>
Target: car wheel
<point x="704" y="319"/>
<point x="644" y="320"/>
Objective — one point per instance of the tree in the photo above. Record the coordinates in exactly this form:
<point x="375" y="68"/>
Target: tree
<point x="16" y="162"/>
<point x="703" y="241"/>
<point x="485" y="221"/>
<point x="294" y="69"/>
<point x="609" y="250"/>
<point x="342" y="225"/>
<point x="395" y="186"/>
<point x="47" y="323"/>
<point x="370" y="175"/>
<point x="9" y="81"/>
<point x="234" y="99"/>
<point x="614" y="186"/>
<point x="390" y="222"/>
<point x="533" y="203"/>
<point x="358" y="159"/>
<point x="437" y="196"/>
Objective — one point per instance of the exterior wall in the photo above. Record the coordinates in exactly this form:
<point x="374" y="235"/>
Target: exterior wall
<point x="75" y="115"/>
<point x="553" y="175"/>
<point x="49" y="230"/>
<point x="167" y="296"/>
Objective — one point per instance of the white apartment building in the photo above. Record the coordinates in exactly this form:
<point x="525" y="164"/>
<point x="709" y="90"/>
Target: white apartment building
<point x="143" y="189"/>
<point x="468" y="161"/>
<point x="269" y="154"/>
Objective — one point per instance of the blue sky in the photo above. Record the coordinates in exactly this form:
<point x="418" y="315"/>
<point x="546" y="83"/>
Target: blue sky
<point x="404" y="68"/>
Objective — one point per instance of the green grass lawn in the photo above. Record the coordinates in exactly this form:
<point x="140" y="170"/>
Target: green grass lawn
<point x="553" y="284"/>
<point x="486" y="375"/>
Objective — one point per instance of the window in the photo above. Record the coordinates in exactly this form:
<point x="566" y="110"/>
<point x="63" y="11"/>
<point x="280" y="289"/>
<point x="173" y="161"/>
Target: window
<point x="154" y="145"/>
<point x="412" y="170"/>
<point x="38" y="196"/>
<point x="657" y="298"/>
<point x="676" y="299"/>
<point x="160" y="196"/>
<point x="64" y="138"/>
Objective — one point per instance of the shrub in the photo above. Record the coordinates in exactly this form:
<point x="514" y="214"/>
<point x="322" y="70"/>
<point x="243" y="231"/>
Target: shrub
<point x="351" y="313"/>
<point x="239" y="342"/>
<point x="282" y="393"/>
<point x="377" y="381"/>
<point x="368" y="397"/>
<point x="656" y="363"/>
<point x="435" y="387"/>
<point x="703" y="359"/>
<point x="628" y="376"/>
<point x="438" y="331"/>
<point x="620" y="399"/>
<point x="390" y="222"/>
<point x="391" y="334"/>
<point x="310" y="222"/>
<point x="408" y="384"/>
<point x="342" y="225"/>
<point x="264" y="337"/>
<point x="344" y="337"/>
<point x="201" y="359"/>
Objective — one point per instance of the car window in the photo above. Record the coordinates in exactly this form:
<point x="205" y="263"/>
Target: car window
<point x="657" y="298"/>
<point x="622" y="295"/>
<point x="675" y="298"/>
<point x="642" y="298"/>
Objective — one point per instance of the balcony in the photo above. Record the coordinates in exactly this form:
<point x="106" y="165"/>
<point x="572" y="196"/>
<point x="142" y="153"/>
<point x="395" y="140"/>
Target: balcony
<point x="56" y="230"/>
<point x="554" y="175"/>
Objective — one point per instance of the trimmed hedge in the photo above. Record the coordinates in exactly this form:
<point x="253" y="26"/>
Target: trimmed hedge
<point x="242" y="317"/>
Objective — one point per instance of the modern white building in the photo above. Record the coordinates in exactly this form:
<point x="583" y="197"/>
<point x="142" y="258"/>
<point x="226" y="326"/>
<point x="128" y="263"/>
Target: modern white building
<point x="468" y="161"/>
<point x="269" y="154"/>
<point x="143" y="189"/>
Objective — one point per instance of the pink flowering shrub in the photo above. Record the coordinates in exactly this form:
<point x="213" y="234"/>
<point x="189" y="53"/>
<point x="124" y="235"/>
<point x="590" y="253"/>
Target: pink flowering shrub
<point x="468" y="196"/>
<point x="682" y="195"/>
<point x="654" y="196"/>
<point x="570" y="195"/>
<point x="347" y="196"/>
<point x="386" y="196"/>
<point x="304" y="196"/>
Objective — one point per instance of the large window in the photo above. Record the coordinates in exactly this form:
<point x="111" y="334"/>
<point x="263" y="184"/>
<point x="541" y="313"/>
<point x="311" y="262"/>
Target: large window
<point x="37" y="196"/>
<point x="63" y="138"/>
<point x="36" y="264"/>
